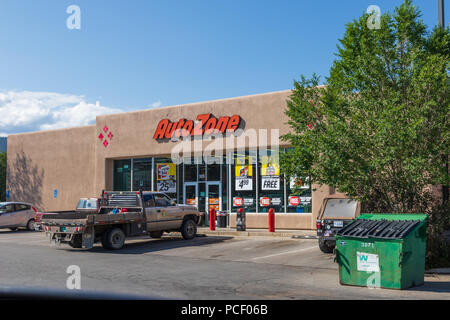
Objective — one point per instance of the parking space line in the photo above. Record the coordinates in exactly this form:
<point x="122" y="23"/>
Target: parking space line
<point x="286" y="252"/>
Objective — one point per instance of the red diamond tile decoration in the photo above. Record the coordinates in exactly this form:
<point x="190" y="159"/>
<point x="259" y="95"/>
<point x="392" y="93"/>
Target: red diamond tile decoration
<point x="110" y="135"/>
<point x="105" y="129"/>
<point x="100" y="136"/>
<point x="105" y="143"/>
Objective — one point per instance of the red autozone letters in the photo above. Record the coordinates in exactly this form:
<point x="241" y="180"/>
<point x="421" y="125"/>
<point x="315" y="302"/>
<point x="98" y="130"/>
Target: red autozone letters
<point x="207" y="124"/>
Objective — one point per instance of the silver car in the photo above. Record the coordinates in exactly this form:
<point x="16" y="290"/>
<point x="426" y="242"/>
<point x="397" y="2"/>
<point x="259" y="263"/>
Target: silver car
<point x="17" y="214"/>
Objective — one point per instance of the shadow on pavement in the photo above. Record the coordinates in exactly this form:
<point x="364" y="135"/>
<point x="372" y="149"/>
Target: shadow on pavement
<point x="433" y="286"/>
<point x="18" y="231"/>
<point x="155" y="245"/>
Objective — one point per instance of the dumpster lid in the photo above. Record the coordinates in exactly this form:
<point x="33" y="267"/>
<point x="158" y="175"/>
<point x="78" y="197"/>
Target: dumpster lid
<point x="380" y="229"/>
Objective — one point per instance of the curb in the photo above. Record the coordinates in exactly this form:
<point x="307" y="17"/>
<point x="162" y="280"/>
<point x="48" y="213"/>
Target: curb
<point x="279" y="234"/>
<point x="438" y="271"/>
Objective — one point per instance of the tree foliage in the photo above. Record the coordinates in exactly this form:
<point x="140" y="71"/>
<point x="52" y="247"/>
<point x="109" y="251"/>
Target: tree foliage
<point x="378" y="130"/>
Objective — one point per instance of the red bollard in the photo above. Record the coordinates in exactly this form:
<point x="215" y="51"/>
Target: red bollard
<point x="212" y="219"/>
<point x="271" y="220"/>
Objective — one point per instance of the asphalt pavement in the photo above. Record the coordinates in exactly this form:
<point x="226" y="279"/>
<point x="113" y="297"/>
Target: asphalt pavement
<point x="207" y="267"/>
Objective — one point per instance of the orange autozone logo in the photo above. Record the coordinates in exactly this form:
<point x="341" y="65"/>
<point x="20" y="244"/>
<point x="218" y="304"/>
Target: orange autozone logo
<point x="206" y="124"/>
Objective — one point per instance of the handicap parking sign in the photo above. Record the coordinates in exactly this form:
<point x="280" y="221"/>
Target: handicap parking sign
<point x="55" y="193"/>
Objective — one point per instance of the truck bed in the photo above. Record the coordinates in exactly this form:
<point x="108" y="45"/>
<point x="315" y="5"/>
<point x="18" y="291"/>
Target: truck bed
<point x="65" y="215"/>
<point x="82" y="218"/>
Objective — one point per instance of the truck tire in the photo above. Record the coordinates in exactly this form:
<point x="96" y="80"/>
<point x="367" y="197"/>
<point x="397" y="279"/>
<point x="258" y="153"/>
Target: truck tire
<point x="105" y="244"/>
<point x="156" y="234"/>
<point x="113" y="239"/>
<point x="189" y="229"/>
<point x="77" y="241"/>
<point x="325" y="246"/>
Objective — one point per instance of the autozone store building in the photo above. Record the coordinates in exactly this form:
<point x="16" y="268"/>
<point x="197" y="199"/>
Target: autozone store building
<point x="222" y="154"/>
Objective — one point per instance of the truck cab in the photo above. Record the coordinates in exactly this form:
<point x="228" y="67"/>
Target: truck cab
<point x="336" y="212"/>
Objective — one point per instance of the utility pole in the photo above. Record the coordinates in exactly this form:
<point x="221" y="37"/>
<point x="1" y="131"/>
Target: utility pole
<point x="441" y="13"/>
<point x="445" y="189"/>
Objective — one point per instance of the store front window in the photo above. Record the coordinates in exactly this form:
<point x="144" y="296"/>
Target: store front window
<point x="122" y="175"/>
<point x="142" y="174"/>
<point x="299" y="195"/>
<point x="166" y="177"/>
<point x="251" y="181"/>
<point x="243" y="181"/>
<point x="270" y="182"/>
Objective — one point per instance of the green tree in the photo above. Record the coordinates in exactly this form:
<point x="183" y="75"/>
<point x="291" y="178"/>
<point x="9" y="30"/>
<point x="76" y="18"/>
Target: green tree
<point x="378" y="130"/>
<point x="2" y="176"/>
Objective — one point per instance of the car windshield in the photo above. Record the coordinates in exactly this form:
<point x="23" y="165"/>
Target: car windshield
<point x="340" y="208"/>
<point x="87" y="204"/>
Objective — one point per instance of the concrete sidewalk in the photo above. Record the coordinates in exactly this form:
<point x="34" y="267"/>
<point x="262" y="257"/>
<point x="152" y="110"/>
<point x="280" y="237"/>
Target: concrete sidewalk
<point x="438" y="271"/>
<point x="296" y="234"/>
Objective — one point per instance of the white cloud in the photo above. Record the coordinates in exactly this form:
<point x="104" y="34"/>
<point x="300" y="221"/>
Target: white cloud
<point x="155" y="104"/>
<point x="23" y="111"/>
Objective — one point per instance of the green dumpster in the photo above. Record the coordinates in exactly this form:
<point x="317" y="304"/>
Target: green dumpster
<point x="383" y="251"/>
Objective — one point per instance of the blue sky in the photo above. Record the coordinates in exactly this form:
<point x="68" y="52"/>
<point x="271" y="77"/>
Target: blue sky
<point x="136" y="54"/>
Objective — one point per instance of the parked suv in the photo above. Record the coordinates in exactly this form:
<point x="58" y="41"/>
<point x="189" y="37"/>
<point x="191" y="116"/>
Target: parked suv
<point x="337" y="211"/>
<point x="17" y="214"/>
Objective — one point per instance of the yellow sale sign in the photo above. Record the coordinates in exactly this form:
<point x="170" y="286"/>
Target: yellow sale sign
<point x="166" y="171"/>
<point x="243" y="167"/>
<point x="270" y="166"/>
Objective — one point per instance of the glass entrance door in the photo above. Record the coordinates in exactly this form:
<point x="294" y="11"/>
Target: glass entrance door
<point x="204" y="196"/>
<point x="213" y="196"/>
<point x="190" y="195"/>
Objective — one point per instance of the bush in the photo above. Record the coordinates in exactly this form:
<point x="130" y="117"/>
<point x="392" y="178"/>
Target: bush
<point x="438" y="242"/>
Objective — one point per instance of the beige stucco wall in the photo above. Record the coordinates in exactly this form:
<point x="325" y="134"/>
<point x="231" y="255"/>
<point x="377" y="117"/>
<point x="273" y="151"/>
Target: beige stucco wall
<point x="282" y="221"/>
<point x="40" y="162"/>
<point x="75" y="161"/>
<point x="133" y="131"/>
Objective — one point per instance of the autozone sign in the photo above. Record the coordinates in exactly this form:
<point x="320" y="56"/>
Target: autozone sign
<point x="206" y="124"/>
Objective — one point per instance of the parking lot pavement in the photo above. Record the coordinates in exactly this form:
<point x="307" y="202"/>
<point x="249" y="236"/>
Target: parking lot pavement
<point x="23" y="237"/>
<point x="203" y="268"/>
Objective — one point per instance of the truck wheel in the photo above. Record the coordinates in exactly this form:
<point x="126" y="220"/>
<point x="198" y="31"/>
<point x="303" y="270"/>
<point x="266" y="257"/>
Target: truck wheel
<point x="30" y="225"/>
<point x="77" y="241"/>
<point x="156" y="234"/>
<point x="104" y="241"/>
<point x="113" y="239"/>
<point x="188" y="229"/>
<point x="325" y="246"/>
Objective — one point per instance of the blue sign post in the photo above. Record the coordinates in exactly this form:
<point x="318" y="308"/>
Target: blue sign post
<point x="7" y="194"/>
<point x="55" y="193"/>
